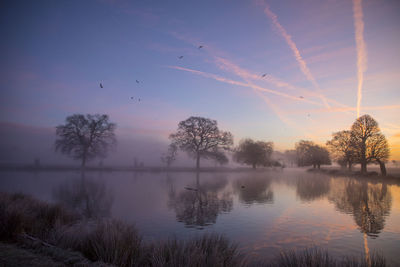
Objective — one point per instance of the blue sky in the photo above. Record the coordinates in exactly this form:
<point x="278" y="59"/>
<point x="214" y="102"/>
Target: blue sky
<point x="54" y="54"/>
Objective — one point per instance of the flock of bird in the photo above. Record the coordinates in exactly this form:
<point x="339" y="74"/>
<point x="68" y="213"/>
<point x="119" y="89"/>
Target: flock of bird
<point x="137" y="81"/>
<point x="181" y="57"/>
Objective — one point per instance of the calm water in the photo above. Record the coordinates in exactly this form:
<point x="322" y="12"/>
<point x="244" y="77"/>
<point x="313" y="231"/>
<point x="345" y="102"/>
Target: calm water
<point x="263" y="212"/>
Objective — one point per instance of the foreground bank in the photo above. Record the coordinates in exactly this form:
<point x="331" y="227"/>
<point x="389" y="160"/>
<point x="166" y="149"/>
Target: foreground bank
<point x="53" y="233"/>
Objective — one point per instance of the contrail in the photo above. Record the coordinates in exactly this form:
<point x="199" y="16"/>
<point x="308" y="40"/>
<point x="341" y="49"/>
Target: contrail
<point x="248" y="85"/>
<point x="257" y="89"/>
<point x="227" y="65"/>
<point x="351" y="109"/>
<point x="223" y="63"/>
<point x="303" y="66"/>
<point x="361" y="51"/>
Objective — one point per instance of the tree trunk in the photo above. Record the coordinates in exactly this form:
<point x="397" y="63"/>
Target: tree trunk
<point x="383" y="167"/>
<point x="363" y="167"/>
<point x="350" y="165"/>
<point x="198" y="161"/>
<point x="83" y="161"/>
<point x="314" y="165"/>
<point x="363" y="159"/>
<point x="319" y="166"/>
<point x="254" y="166"/>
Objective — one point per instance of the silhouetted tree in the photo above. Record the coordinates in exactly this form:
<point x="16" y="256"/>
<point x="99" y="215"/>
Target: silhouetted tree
<point x="362" y="130"/>
<point x="291" y="156"/>
<point x="342" y="148"/>
<point x="85" y="137"/>
<point x="254" y="153"/>
<point x="201" y="138"/>
<point x="220" y="158"/>
<point x="170" y="156"/>
<point x="309" y="153"/>
<point x="378" y="151"/>
<point x="36" y="162"/>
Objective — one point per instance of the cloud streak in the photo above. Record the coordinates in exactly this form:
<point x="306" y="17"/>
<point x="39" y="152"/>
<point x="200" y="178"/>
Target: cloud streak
<point x="349" y="109"/>
<point x="361" y="50"/>
<point x="226" y="65"/>
<point x="248" y="85"/>
<point x="303" y="65"/>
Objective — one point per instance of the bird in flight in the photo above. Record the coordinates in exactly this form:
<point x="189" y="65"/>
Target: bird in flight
<point x="180" y="57"/>
<point x="201" y="46"/>
<point x="189" y="188"/>
<point x="301" y="97"/>
<point x="137" y="81"/>
<point x="101" y="85"/>
<point x="265" y="74"/>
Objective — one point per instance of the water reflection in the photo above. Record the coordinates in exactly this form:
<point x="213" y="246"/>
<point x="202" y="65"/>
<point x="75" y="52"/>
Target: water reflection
<point x="310" y="188"/>
<point x="199" y="204"/>
<point x="369" y="203"/>
<point x="89" y="197"/>
<point x="254" y="189"/>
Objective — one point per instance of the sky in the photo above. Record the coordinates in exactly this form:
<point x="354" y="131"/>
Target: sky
<point x="324" y="62"/>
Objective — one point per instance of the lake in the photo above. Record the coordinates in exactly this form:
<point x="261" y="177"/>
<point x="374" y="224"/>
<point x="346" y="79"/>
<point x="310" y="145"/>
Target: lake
<point x="264" y="212"/>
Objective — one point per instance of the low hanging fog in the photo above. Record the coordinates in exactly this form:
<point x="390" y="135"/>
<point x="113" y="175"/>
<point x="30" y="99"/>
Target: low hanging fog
<point x="21" y="144"/>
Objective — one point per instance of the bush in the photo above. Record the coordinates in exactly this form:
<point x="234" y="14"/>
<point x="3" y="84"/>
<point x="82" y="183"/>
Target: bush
<point x="119" y="244"/>
<point x="104" y="240"/>
<point x="317" y="258"/>
<point x="24" y="214"/>
<point x="207" y="250"/>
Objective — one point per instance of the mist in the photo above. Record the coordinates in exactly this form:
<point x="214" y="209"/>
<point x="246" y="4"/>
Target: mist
<point x="199" y="133"/>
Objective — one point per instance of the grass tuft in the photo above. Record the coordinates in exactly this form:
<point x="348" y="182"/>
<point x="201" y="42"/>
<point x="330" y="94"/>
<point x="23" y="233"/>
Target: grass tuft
<point x="53" y="230"/>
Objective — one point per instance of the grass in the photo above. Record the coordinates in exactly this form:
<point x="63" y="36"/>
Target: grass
<point x="108" y="241"/>
<point x="319" y="258"/>
<point x="62" y="236"/>
<point x="206" y="250"/>
<point x="23" y="214"/>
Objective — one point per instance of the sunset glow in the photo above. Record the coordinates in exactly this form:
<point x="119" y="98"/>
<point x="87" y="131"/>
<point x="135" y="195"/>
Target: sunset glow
<point x="277" y="71"/>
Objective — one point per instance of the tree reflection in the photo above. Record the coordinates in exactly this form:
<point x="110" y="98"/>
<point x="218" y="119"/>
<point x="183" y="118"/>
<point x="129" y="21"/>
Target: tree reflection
<point x="368" y="203"/>
<point x="310" y="188"/>
<point x="200" y="204"/>
<point x="89" y="197"/>
<point x="254" y="189"/>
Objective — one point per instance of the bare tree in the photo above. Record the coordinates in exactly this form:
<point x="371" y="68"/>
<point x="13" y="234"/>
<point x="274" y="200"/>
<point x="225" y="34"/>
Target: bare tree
<point x="363" y="131"/>
<point x="309" y="153"/>
<point x="220" y="158"/>
<point x="342" y="148"/>
<point x="201" y="138"/>
<point x="85" y="137"/>
<point x="290" y="156"/>
<point x="254" y="153"/>
<point x="170" y="156"/>
<point x="378" y="151"/>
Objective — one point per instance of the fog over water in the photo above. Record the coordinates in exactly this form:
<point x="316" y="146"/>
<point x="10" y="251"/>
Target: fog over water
<point x="21" y="144"/>
<point x="264" y="211"/>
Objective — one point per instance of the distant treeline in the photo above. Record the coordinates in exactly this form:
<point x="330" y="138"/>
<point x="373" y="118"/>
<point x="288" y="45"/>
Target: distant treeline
<point x="85" y="137"/>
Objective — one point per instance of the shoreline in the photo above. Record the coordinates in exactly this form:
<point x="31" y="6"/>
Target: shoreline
<point x="35" y="229"/>
<point x="370" y="176"/>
